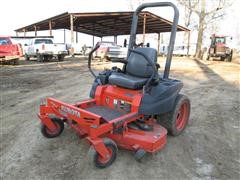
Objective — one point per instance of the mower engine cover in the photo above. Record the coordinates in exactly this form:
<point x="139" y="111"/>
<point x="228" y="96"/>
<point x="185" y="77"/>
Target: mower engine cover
<point x="161" y="97"/>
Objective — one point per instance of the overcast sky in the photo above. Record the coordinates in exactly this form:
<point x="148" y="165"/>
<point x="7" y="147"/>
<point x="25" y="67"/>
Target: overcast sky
<point x="19" y="13"/>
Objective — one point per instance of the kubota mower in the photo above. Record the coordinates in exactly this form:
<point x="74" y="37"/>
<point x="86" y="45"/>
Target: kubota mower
<point x="132" y="108"/>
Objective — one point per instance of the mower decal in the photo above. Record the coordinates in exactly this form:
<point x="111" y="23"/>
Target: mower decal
<point x="68" y="110"/>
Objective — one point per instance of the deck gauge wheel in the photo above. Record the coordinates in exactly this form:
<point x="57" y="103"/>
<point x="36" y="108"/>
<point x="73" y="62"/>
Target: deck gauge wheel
<point x="52" y="134"/>
<point x="103" y="162"/>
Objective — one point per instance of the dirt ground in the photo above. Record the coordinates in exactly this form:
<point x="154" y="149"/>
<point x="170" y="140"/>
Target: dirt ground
<point x="209" y="148"/>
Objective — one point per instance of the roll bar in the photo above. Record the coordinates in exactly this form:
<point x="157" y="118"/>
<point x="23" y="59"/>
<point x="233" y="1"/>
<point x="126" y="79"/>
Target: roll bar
<point x="173" y="31"/>
<point x="90" y="59"/>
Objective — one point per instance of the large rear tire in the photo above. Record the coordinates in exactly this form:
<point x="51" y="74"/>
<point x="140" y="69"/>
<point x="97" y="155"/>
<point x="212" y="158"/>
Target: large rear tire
<point x="176" y="120"/>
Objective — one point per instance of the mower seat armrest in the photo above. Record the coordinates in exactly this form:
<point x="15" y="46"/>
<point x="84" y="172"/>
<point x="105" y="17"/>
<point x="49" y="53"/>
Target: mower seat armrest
<point x="124" y="61"/>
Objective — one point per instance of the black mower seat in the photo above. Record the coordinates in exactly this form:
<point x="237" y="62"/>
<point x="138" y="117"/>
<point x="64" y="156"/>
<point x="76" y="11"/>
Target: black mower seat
<point x="127" y="81"/>
<point x="138" y="70"/>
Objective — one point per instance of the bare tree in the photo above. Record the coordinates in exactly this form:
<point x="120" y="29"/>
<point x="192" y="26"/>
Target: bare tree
<point x="205" y="14"/>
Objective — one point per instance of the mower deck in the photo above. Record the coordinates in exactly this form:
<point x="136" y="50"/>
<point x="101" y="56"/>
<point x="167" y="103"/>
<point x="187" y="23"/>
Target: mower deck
<point x="150" y="141"/>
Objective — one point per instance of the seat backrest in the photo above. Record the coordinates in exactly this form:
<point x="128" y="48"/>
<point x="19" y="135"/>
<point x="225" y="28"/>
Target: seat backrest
<point x="138" y="66"/>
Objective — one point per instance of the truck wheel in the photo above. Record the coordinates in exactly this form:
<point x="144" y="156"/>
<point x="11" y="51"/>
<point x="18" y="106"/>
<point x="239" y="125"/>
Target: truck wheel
<point x="52" y="134"/>
<point x="16" y="61"/>
<point x="208" y="57"/>
<point x="27" y="58"/>
<point x="176" y="120"/>
<point x="99" y="161"/>
<point x="50" y="57"/>
<point x="222" y="58"/>
<point x="60" y="57"/>
<point x="40" y="58"/>
<point x="107" y="58"/>
<point x="229" y="58"/>
<point x="45" y="58"/>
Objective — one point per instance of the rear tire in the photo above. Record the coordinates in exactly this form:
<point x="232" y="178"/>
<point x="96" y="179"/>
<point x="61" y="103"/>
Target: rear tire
<point x="208" y="58"/>
<point x="40" y="58"/>
<point x="229" y="58"/>
<point x="45" y="58"/>
<point x="60" y="57"/>
<point x="176" y="120"/>
<point x="27" y="58"/>
<point x="97" y="160"/>
<point x="16" y="62"/>
<point x="52" y="134"/>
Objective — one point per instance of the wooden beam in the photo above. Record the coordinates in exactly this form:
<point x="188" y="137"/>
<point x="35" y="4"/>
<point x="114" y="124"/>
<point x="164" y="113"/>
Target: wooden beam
<point x="158" y="45"/>
<point x="144" y="28"/>
<point x="50" y="27"/>
<point x="24" y="32"/>
<point x="93" y="43"/>
<point x="188" y="43"/>
<point x="35" y="31"/>
<point x="76" y="34"/>
<point x="71" y="28"/>
<point x="64" y="36"/>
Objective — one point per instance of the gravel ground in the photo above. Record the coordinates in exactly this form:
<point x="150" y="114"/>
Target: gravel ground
<point x="208" y="149"/>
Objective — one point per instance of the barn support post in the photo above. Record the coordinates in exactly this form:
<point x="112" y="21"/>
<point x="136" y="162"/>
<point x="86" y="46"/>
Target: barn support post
<point x="50" y="27"/>
<point x="72" y="34"/>
<point x="76" y="34"/>
<point x="115" y="39"/>
<point x="64" y="36"/>
<point x="93" y="43"/>
<point x="158" y="44"/>
<point x="24" y="32"/>
<point x="188" y="43"/>
<point x="93" y="32"/>
<point x="35" y="31"/>
<point x="144" y="28"/>
<point x="71" y="28"/>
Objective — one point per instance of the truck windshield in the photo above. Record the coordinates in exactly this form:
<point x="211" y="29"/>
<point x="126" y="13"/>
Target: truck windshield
<point x="5" y="41"/>
<point x="220" y="40"/>
<point x="43" y="41"/>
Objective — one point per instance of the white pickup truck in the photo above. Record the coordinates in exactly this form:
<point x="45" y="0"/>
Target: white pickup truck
<point x="44" y="49"/>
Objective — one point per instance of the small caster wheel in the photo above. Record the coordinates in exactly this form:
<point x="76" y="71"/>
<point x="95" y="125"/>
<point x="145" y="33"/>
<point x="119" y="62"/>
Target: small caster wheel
<point x="52" y="134"/>
<point x="139" y="154"/>
<point x="99" y="161"/>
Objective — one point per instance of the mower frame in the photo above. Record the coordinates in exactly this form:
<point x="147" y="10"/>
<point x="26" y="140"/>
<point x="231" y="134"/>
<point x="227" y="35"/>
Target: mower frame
<point x="95" y="127"/>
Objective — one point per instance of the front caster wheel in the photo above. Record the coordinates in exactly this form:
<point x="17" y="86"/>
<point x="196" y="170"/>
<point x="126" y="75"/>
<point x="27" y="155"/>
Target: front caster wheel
<point x="103" y="162"/>
<point x="176" y="120"/>
<point x="139" y="154"/>
<point x="52" y="134"/>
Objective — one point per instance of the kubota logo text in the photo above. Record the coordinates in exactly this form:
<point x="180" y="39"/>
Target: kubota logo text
<point x="70" y="111"/>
